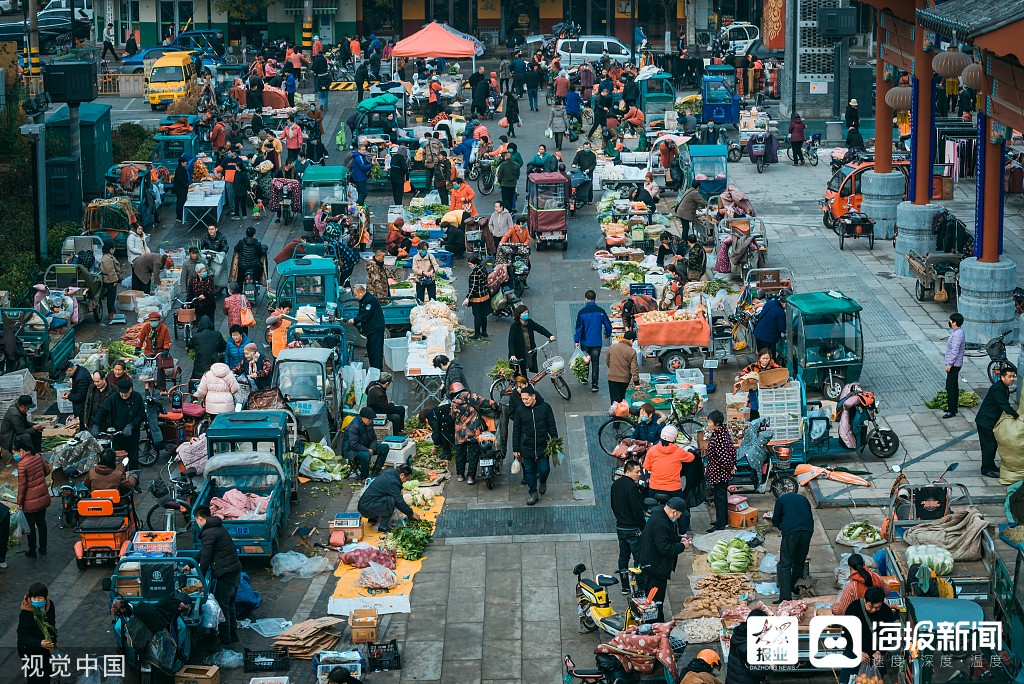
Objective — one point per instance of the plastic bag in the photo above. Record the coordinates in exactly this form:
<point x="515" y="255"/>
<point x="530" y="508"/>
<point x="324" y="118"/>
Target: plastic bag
<point x="226" y="659"/>
<point x="871" y="671"/>
<point x="517" y="467"/>
<point x="376" y="576"/>
<point x="432" y="197"/>
<point x="292" y="564"/>
<point x="769" y="564"/>
<point x="548" y="133"/>
<point x="212" y="614"/>
<point x="23" y="523"/>
<point x="266" y="627"/>
<point x="843" y="569"/>
<point x="162" y="651"/>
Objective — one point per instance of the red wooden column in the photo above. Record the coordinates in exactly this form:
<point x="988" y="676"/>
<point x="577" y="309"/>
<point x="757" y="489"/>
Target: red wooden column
<point x="922" y="114"/>
<point x="883" y="113"/>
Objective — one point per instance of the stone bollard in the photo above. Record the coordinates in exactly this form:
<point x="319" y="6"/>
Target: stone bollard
<point x="915" y="223"/>
<point x="986" y="298"/>
<point x="882" y="194"/>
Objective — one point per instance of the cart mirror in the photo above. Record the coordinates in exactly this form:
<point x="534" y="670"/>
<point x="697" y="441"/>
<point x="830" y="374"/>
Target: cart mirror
<point x="952" y="466"/>
<point x="896" y="468"/>
<point x="107" y="583"/>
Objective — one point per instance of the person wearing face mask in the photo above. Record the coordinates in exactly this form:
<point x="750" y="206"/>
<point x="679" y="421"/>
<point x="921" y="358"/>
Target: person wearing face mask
<point x="33" y="492"/>
<point x="522" y="345"/>
<point x="202" y="289"/>
<point x="648" y="429"/>
<point x="462" y="196"/>
<point x="37" y="631"/>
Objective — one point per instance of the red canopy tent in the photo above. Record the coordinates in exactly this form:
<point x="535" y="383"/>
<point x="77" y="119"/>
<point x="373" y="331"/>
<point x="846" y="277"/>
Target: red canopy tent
<point x="434" y="41"/>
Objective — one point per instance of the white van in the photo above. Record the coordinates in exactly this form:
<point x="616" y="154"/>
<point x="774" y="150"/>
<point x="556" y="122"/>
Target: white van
<point x="741" y="35"/>
<point x="591" y="48"/>
<point x="84" y="10"/>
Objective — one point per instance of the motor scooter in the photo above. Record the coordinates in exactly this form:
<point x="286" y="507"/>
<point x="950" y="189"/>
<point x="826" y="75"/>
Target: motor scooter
<point x="596" y="611"/>
<point x="491" y="459"/>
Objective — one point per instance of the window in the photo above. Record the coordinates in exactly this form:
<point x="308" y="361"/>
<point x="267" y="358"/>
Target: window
<point x="594" y="47"/>
<point x="616" y="49"/>
<point x="832" y="337"/>
<point x="228" y="447"/>
<point x="300" y="380"/>
<point x="837" y="179"/>
<point x="309" y="289"/>
<point x="571" y="46"/>
<point x="167" y="74"/>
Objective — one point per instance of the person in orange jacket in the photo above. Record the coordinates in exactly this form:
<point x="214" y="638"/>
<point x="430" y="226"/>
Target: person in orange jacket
<point x="462" y="196"/>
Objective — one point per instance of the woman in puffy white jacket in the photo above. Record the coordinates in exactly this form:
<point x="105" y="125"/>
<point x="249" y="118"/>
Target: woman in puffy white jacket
<point x="218" y="388"/>
<point x="138" y="243"/>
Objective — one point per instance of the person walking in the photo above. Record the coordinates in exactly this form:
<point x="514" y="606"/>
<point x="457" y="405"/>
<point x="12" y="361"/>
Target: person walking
<point x="660" y="546"/>
<point x="383" y="496"/>
<point x="522" y="346"/>
<point x="512" y="113"/>
<point x="37" y="633"/>
<point x="794" y="519"/>
<point x="797" y="128"/>
<point x="993" y="406"/>
<point x="852" y="115"/>
<point x="219" y="560"/>
<point x="478" y="297"/>
<point x="534" y="427"/>
<point x="469" y="425"/>
<point x="109" y="38"/>
<point x="504" y="75"/>
<point x="361" y="167"/>
<point x="591" y="322"/>
<point x="558" y="122"/>
<point x="33" y="492"/>
<point x="507" y="178"/>
<point x="217" y="389"/>
<point x="623" y="367"/>
<point x="180" y="188"/>
<point x="627" y="507"/>
<point x="955" y="347"/>
<point x="398" y="173"/>
<point x="111" y="271"/>
<point x="720" y="467"/>
<point x="501" y="220"/>
<point x="687" y="206"/>
<point x="370" y="322"/>
<point x="534" y="80"/>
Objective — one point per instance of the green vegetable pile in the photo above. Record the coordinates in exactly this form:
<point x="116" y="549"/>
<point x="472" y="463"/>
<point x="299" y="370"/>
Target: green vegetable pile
<point x="501" y="369"/>
<point x="687" y="406"/>
<point x="1015" y="534"/>
<point x="412" y="540"/>
<point x="580" y="368"/>
<point x="863" y="531"/>
<point x="425" y="459"/>
<point x="377" y="172"/>
<point x="437" y="209"/>
<point x="731" y="556"/>
<point x="413" y="423"/>
<point x="414" y="212"/>
<point x="325" y="463"/>
<point x="120" y="350"/>
<point x="712" y="287"/>
<point x="51" y="442"/>
<point x="935" y="557"/>
<point x="965" y="398"/>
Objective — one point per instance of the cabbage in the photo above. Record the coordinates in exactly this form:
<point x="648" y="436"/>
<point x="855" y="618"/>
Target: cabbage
<point x="935" y="557"/>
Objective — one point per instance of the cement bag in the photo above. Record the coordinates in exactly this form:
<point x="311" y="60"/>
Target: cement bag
<point x="1010" y="437"/>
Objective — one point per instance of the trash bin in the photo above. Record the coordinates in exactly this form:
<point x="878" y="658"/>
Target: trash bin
<point x="834" y="131"/>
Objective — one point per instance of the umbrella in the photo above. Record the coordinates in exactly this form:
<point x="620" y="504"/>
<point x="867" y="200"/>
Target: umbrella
<point x="806" y="472"/>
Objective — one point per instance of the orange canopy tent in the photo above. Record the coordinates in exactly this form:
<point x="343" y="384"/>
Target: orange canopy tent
<point x="434" y="41"/>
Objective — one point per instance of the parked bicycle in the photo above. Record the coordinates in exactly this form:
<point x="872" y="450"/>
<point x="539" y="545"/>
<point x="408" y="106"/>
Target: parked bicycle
<point x="553" y="367"/>
<point x="996" y="351"/>
<point x="173" y="510"/>
<point x="617" y="428"/>
<point x="185" y="319"/>
<point x="810" y="149"/>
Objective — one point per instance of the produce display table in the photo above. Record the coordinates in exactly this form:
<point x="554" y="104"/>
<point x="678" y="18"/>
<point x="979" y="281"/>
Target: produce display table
<point x="204" y="212"/>
<point x="431" y="381"/>
<point x="680" y="333"/>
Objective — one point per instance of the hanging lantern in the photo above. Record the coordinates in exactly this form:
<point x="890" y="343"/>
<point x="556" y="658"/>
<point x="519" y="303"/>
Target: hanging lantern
<point x="973" y="77"/>
<point x="950" y="63"/>
<point x="899" y="98"/>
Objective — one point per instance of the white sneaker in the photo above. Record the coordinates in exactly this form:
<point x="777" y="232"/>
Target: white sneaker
<point x="3" y="565"/>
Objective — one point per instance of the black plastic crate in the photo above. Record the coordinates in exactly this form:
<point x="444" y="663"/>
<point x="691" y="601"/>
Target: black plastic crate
<point x="272" y="660"/>
<point x="383" y="657"/>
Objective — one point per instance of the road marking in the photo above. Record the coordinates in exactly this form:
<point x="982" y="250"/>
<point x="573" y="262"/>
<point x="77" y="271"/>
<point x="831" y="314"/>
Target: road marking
<point x="129" y="105"/>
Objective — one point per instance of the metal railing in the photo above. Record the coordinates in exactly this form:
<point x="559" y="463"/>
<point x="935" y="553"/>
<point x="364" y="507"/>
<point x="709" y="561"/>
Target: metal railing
<point x="122" y="85"/>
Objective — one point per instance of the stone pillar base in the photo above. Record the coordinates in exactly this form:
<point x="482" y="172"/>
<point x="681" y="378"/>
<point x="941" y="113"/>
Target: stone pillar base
<point x="883" y="192"/>
<point x="986" y="298"/>
<point x="915" y="223"/>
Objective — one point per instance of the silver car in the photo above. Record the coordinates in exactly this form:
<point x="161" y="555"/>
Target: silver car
<point x="8" y="6"/>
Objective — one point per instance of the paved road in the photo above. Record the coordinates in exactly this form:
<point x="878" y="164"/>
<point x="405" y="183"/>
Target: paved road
<point x="495" y="601"/>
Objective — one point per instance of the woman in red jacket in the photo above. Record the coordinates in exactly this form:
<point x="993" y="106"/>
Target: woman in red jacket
<point x="33" y="492"/>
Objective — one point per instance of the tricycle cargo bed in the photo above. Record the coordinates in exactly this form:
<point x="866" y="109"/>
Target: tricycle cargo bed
<point x="970" y="579"/>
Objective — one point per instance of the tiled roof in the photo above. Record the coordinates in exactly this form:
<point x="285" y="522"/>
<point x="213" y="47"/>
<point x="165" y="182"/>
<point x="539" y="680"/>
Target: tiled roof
<point x="969" y="19"/>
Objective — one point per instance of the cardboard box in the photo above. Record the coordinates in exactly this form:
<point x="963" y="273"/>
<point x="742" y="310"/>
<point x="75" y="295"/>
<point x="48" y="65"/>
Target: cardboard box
<point x="156" y="542"/>
<point x="198" y="674"/>
<point x="127" y="586"/>
<point x="126" y="299"/>
<point x="743" y="519"/>
<point x="362" y="622"/>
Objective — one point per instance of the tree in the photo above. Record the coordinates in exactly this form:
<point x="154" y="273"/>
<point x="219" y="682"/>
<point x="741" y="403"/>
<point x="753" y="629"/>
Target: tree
<point x="242" y="9"/>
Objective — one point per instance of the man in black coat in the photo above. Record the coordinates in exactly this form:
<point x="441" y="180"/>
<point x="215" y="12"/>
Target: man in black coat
<point x="793" y="517"/>
<point x="370" y="322"/>
<point x="995" y="404"/>
<point x="660" y="546"/>
<point x="180" y="188"/>
<point x="534" y="426"/>
<point x="737" y="669"/>
<point x="361" y="444"/>
<point x="377" y="399"/>
<point x="16" y="423"/>
<point x="627" y="506"/>
<point x="251" y="254"/>
<point x="81" y="380"/>
<point x="218" y="558"/>
<point x="382" y="496"/>
<point x="362" y="76"/>
<point x="124" y="412"/>
<point x="209" y="345"/>
<point x="480" y="92"/>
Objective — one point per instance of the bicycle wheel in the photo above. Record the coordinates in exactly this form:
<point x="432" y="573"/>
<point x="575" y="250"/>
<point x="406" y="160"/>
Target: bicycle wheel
<point x="789" y="153"/>
<point x="812" y="156"/>
<point x="486" y="182"/>
<point x="995" y="368"/>
<point x="549" y="98"/>
<point x="588" y="116"/>
<point x="499" y="387"/>
<point x="562" y="387"/>
<point x="474" y="172"/>
<point x="612" y="432"/>
<point x="156" y="520"/>
<point x="689" y="427"/>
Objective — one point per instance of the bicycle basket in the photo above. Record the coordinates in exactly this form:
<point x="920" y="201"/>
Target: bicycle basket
<point x="555" y="366"/>
<point x="186" y="315"/>
<point x="995" y="349"/>
<point x="474" y="235"/>
<point x="758" y="149"/>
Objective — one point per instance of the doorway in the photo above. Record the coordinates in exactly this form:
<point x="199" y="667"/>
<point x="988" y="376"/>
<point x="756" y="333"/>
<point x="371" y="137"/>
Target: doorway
<point x="325" y="28"/>
<point x="592" y="16"/>
<point x="175" y="16"/>
<point x="456" y="13"/>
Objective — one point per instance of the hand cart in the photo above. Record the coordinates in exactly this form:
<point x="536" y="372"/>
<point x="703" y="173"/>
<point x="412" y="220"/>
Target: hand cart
<point x="854" y="225"/>
<point x="931" y="269"/>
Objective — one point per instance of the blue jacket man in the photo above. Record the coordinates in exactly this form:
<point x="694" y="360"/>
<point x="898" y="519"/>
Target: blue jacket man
<point x="361" y="166"/>
<point x="771" y="325"/>
<point x="591" y="322"/>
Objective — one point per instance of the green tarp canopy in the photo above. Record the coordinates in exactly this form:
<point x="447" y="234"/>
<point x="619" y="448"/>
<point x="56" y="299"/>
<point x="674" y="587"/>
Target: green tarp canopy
<point x="371" y="103"/>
